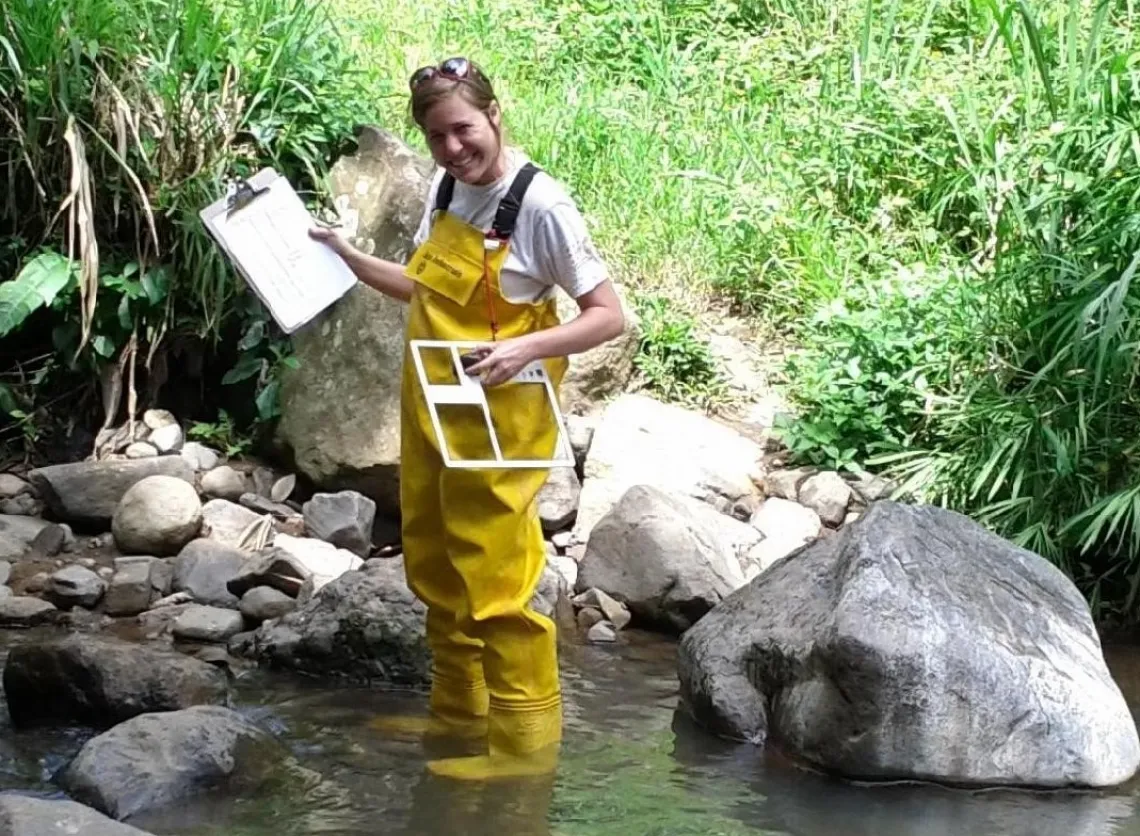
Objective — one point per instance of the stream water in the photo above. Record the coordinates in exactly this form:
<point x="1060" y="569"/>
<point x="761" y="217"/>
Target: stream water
<point x="631" y="764"/>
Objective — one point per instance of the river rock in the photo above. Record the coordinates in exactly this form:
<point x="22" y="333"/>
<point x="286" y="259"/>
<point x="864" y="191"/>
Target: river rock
<point x="273" y="568"/>
<point x="915" y="644"/>
<point x="75" y="586"/>
<point x="603" y="372"/>
<point x="157" y="760"/>
<point x="828" y="495"/>
<point x="204" y="568"/>
<point x="200" y="457"/>
<point x="558" y="499"/>
<point x="580" y="429"/>
<point x="12" y="485"/>
<point x="340" y="408"/>
<point x="227" y="522"/>
<point x="365" y="626"/>
<point x="5" y="571"/>
<point x="158" y="515"/>
<point x="223" y="482"/>
<point x="25" y="815"/>
<point x="24" y="505"/>
<point x="101" y="680"/>
<point x="207" y="624"/>
<point x="131" y="588"/>
<point x="785" y="526"/>
<point x="641" y="441"/>
<point x="156" y="419"/>
<point x="167" y="439"/>
<point x="141" y="450"/>
<point x="263" y="603"/>
<point x="344" y="519"/>
<point x="26" y="611"/>
<point x="323" y="561"/>
<point x="87" y="493"/>
<point x="785" y="484"/>
<point x="657" y="553"/>
<point x="17" y="533"/>
<point x="265" y="505"/>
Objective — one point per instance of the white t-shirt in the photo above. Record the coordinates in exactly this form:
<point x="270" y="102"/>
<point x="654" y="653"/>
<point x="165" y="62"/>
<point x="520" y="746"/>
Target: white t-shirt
<point x="550" y="246"/>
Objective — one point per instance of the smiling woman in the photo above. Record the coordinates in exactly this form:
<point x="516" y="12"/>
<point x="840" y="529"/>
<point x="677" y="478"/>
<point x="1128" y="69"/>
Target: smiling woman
<point x="498" y="238"/>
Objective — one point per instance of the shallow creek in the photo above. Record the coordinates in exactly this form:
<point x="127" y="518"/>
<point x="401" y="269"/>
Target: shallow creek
<point x="631" y="764"/>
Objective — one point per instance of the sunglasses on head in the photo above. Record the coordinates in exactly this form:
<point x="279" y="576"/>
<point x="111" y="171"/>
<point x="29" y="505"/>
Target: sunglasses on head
<point x="456" y="69"/>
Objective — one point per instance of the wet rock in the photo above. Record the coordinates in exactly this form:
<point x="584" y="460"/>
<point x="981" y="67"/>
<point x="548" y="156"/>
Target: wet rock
<point x="365" y="626"/>
<point x="263" y="603"/>
<point x="786" y="526"/>
<point x="157" y="760"/>
<point x="228" y="523"/>
<point x="344" y="519"/>
<point x="340" y="409"/>
<point x="157" y="516"/>
<point x="167" y="439"/>
<point x="12" y="485"/>
<point x="601" y="633"/>
<point x="204" y="568"/>
<point x="25" y="815"/>
<point x="17" y="533"/>
<point x="88" y="493"/>
<point x="223" y="482"/>
<point x="159" y="619"/>
<point x="828" y="495"/>
<point x="657" y="553"/>
<point x="915" y="644"/>
<point x="588" y="617"/>
<point x="323" y="561"/>
<point x="207" y="624"/>
<point x="640" y="441"/>
<point x="598" y="375"/>
<point x="199" y="456"/>
<point x="131" y="589"/>
<point x="558" y="499"/>
<point x="100" y="681"/>
<point x="75" y="586"/>
<point x="141" y="450"/>
<point x="614" y="612"/>
<point x="25" y="611"/>
<point x="24" y="505"/>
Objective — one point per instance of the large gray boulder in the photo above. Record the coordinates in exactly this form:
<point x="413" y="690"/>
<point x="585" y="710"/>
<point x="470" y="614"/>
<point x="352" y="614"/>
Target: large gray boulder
<point x="596" y="376"/>
<point x="340" y="408"/>
<point x="343" y="518"/>
<point x="668" y="557"/>
<point x="25" y="815"/>
<point x="642" y="441"/>
<point x="365" y="626"/>
<point x="87" y="493"/>
<point x="157" y="516"/>
<point x="915" y="644"/>
<point x="155" y="760"/>
<point x="204" y="568"/>
<point x="100" y="681"/>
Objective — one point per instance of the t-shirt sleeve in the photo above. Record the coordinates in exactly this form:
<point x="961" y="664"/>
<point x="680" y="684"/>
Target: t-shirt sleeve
<point x="565" y="252"/>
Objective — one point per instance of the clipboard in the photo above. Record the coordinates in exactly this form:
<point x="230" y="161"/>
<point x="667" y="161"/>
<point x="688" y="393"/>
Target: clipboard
<point x="469" y="391"/>
<point x="263" y="228"/>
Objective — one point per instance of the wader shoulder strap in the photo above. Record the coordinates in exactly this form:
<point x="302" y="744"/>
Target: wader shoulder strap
<point x="509" y="206"/>
<point x="444" y="192"/>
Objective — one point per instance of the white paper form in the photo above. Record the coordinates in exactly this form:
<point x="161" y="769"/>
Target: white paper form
<point x="268" y="240"/>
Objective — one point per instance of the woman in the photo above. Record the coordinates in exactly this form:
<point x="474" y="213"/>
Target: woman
<point x="498" y="238"/>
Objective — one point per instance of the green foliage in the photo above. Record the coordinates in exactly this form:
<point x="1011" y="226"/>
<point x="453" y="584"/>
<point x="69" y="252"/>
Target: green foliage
<point x="41" y="280"/>
<point x="222" y="435"/>
<point x="675" y="360"/>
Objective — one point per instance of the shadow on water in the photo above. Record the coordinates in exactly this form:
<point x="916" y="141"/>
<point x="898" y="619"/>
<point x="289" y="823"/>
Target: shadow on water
<point x="632" y="763"/>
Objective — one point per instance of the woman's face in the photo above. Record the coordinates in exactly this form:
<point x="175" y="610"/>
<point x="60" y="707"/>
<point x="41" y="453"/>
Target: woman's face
<point x="464" y="141"/>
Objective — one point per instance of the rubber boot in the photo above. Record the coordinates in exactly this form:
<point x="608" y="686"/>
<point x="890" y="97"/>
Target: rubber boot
<point x="520" y="744"/>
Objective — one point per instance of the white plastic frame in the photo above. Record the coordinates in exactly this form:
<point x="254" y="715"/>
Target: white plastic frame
<point x="469" y="391"/>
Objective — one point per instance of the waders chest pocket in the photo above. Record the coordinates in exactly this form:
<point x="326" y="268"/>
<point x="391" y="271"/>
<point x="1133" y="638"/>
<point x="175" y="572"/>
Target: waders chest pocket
<point x="446" y="272"/>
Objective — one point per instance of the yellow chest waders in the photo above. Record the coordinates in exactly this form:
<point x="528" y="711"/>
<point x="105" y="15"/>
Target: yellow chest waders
<point x="472" y="540"/>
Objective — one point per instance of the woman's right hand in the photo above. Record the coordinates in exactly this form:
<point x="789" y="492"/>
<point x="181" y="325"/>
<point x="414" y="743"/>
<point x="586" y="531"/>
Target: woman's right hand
<point x="332" y="239"/>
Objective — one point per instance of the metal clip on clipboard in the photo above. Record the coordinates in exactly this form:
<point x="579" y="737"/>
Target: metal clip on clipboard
<point x="243" y="195"/>
<point x="469" y="391"/>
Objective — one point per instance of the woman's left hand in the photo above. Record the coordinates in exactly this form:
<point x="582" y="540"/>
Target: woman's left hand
<point x="500" y="362"/>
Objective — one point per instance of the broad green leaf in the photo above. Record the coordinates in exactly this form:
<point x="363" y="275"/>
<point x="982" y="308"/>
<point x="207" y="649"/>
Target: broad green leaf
<point x="41" y="280"/>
